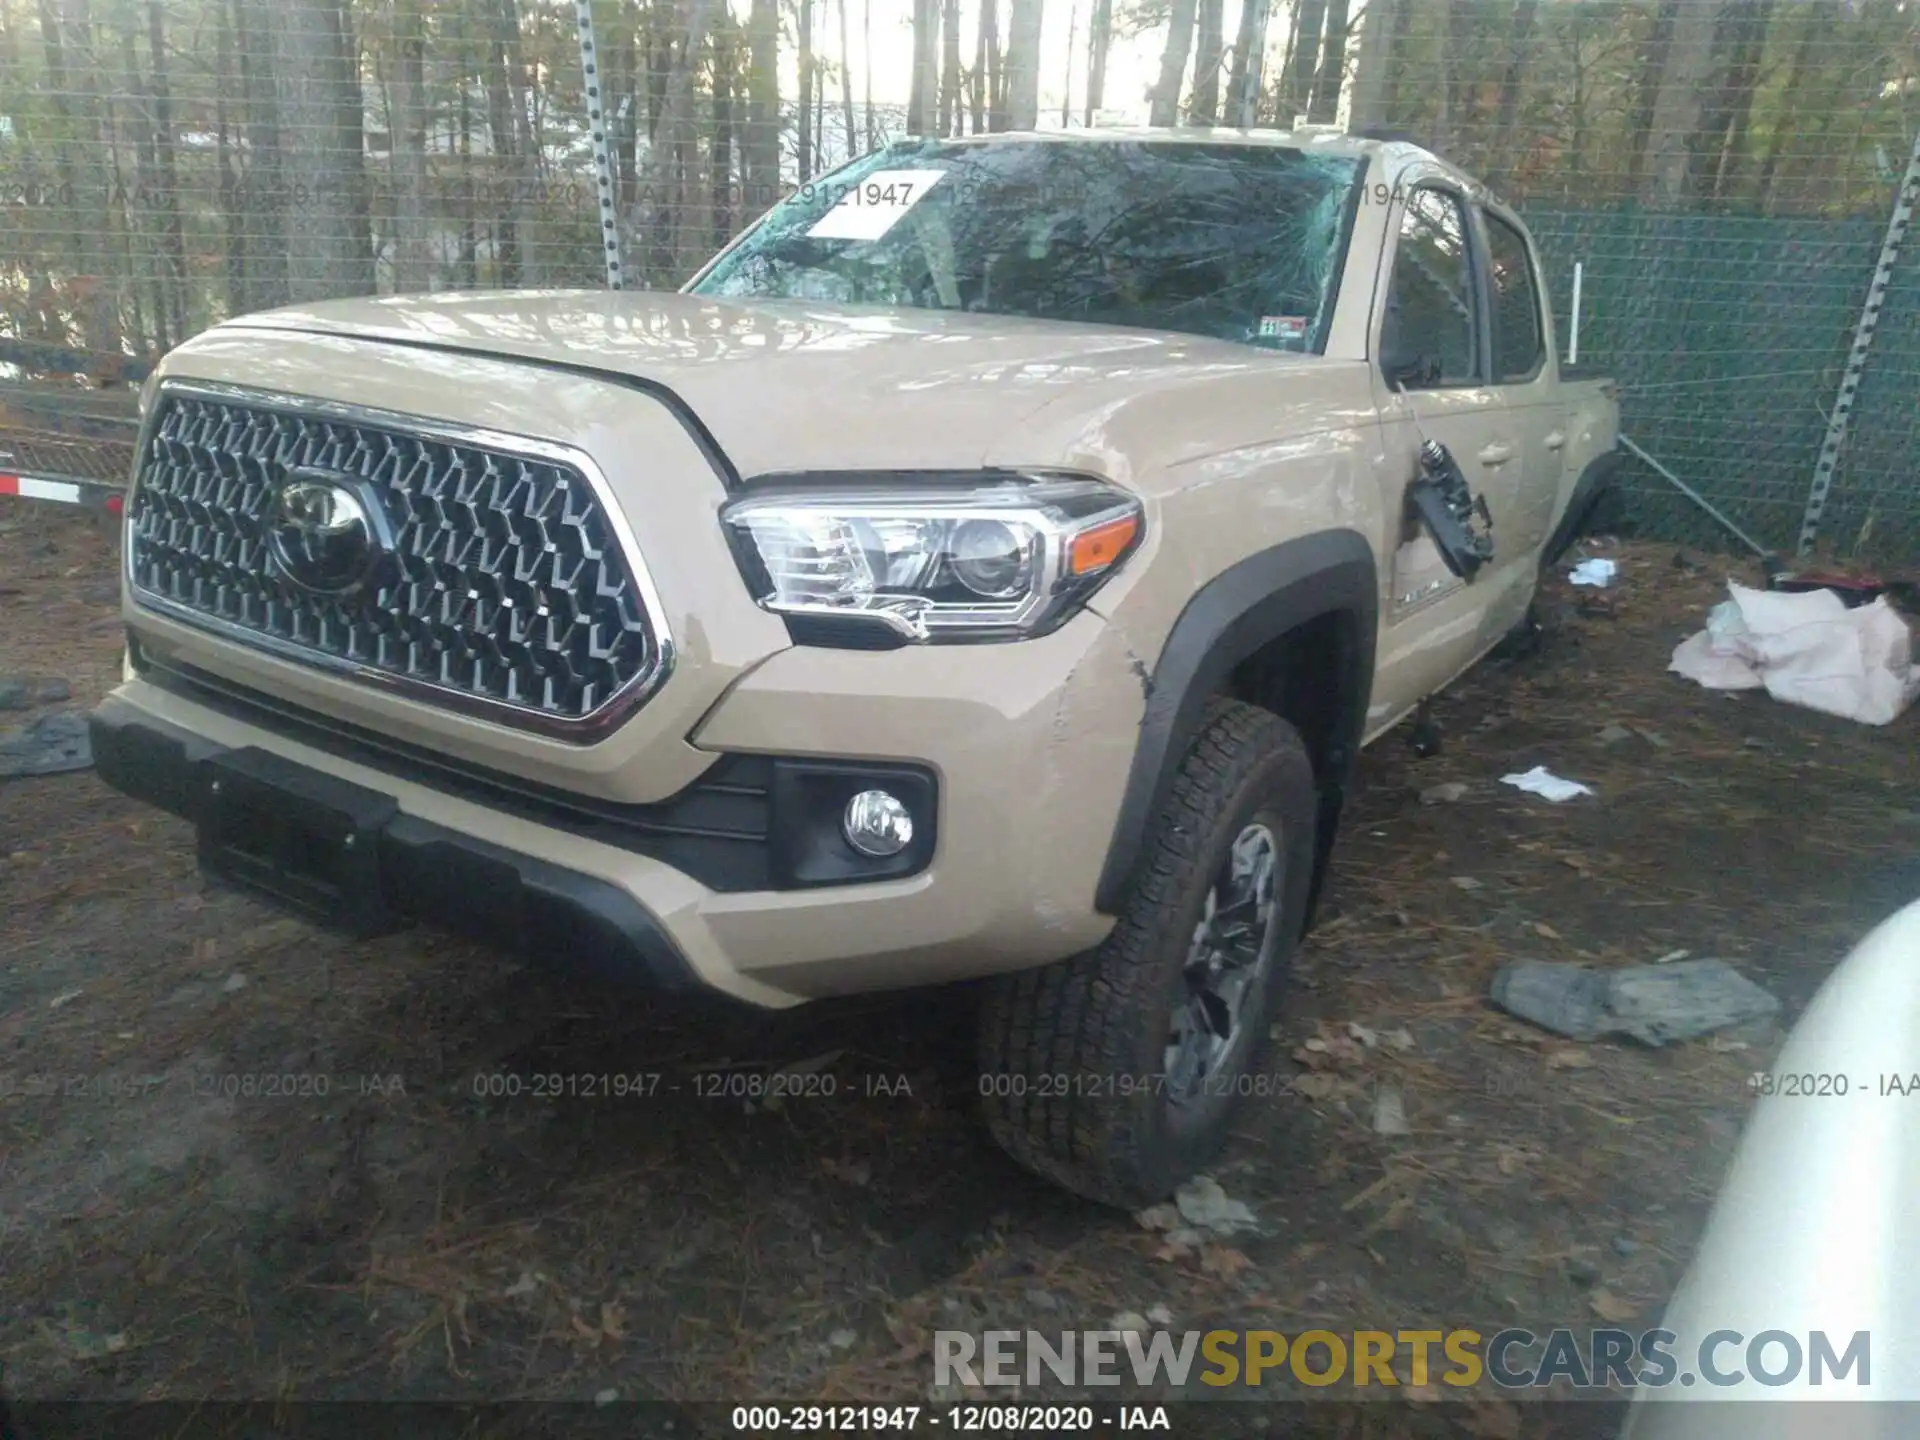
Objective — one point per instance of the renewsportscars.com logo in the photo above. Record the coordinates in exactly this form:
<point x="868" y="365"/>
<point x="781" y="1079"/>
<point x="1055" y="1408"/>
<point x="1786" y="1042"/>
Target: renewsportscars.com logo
<point x="1511" y="1359"/>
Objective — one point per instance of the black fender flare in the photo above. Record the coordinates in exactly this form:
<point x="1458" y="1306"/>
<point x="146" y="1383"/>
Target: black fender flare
<point x="1232" y="616"/>
<point x="1594" y="482"/>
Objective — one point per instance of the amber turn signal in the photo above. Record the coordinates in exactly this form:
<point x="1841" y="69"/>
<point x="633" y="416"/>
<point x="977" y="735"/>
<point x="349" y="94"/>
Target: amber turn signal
<point x="1099" y="547"/>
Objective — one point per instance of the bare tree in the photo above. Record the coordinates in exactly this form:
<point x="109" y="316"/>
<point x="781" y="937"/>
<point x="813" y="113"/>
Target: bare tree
<point x="411" y="256"/>
<point x="1303" y="57"/>
<point x="1243" y="76"/>
<point x="923" y="87"/>
<point x="1519" y="39"/>
<point x="866" y="62"/>
<point x="1324" y="105"/>
<point x="1165" y="107"/>
<point x="316" y="84"/>
<point x="760" y="149"/>
<point x="726" y="64"/>
<point x="1684" y="66"/>
<point x="1023" y="65"/>
<point x="846" y="84"/>
<point x="66" y="38"/>
<point x="951" y="104"/>
<point x="1099" y="41"/>
<point x="1721" y="153"/>
<point x="809" y="78"/>
<point x="1210" y="52"/>
<point x="671" y="224"/>
<point x="173" y="244"/>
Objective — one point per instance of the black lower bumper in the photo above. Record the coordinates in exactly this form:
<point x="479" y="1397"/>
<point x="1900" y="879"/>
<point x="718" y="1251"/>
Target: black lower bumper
<point x="347" y="859"/>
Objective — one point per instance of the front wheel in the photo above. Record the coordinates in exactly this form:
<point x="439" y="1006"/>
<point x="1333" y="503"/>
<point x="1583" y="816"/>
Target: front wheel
<point x="1117" y="1073"/>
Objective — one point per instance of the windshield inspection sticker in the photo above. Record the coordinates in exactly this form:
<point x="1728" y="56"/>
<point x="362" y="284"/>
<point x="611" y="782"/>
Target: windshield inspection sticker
<point x="1283" y="327"/>
<point x="871" y="207"/>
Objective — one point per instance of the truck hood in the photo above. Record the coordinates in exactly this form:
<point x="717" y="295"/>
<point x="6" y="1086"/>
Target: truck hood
<point x="792" y="385"/>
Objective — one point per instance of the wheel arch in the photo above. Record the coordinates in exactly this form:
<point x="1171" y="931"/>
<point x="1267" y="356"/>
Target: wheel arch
<point x="1256" y="631"/>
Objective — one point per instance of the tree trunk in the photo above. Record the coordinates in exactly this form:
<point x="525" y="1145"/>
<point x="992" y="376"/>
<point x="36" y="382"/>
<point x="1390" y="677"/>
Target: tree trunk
<point x="1650" y="68"/>
<point x="525" y="170"/>
<point x="1066" y="80"/>
<point x="1324" y="106"/>
<point x="1458" y="51"/>
<point x="66" y="37"/>
<point x="720" y="150"/>
<point x="467" y="267"/>
<point x="1786" y="126"/>
<point x="923" y="80"/>
<point x="412" y="262"/>
<point x="989" y="64"/>
<point x="1720" y="149"/>
<point x="950" y="102"/>
<point x="505" y="140"/>
<point x="760" y="153"/>
<point x="316" y="77"/>
<point x="671" y="227"/>
<point x="804" y="113"/>
<point x="1099" y="41"/>
<point x="1393" y="63"/>
<point x="1369" y="69"/>
<point x="1519" y="38"/>
<point x="124" y="204"/>
<point x="866" y="78"/>
<point x="1210" y="49"/>
<point x="173" y="243"/>
<point x="1665" y="177"/>
<point x="1165" y="109"/>
<point x="1023" y="65"/>
<point x="231" y="209"/>
<point x="1303" y="59"/>
<point x="846" y="84"/>
<point x="1243" y="76"/>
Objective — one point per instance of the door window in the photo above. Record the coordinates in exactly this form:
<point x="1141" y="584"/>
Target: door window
<point x="1519" y="347"/>
<point x="1432" y="321"/>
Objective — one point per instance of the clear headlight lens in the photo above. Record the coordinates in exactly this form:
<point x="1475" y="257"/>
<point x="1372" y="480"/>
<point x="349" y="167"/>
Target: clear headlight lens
<point x="993" y="556"/>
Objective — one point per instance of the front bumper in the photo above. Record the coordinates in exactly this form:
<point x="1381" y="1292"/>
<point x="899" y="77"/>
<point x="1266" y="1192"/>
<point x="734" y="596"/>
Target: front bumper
<point x="1020" y="752"/>
<point x="416" y="869"/>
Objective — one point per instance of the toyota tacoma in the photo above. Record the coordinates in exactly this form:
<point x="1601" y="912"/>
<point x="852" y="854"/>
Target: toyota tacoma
<point x="987" y="568"/>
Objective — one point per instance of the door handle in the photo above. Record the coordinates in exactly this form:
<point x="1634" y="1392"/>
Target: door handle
<point x="1496" y="454"/>
<point x="1556" y="440"/>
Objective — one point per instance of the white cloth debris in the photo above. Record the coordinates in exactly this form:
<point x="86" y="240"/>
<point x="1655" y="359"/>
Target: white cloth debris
<point x="1806" y="649"/>
<point x="1547" y="785"/>
<point x="1597" y="573"/>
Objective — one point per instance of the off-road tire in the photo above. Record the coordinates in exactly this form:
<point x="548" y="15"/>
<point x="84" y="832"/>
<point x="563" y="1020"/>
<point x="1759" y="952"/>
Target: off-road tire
<point x="1069" y="1053"/>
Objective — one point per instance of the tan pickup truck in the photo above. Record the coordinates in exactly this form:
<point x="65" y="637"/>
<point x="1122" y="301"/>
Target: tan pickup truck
<point x="987" y="568"/>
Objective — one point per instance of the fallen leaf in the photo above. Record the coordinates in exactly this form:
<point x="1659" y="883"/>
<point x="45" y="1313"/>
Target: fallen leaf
<point x="613" y="1318"/>
<point x="1493" y="1420"/>
<point x="1542" y="928"/>
<point x="1172" y="1251"/>
<point x="1609" y="1306"/>
<point x="1224" y="1261"/>
<point x="1317" y="1086"/>
<point x="1569" y="1059"/>
<point x="586" y="1331"/>
<point x="1465" y="882"/>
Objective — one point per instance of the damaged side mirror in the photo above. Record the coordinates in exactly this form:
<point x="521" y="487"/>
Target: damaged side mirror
<point x="1407" y="368"/>
<point x="1458" y="520"/>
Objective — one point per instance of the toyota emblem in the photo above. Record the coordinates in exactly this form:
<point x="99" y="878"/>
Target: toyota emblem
<point x="326" y="532"/>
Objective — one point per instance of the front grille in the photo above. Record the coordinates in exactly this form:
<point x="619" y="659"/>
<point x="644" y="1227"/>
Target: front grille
<point x="506" y="591"/>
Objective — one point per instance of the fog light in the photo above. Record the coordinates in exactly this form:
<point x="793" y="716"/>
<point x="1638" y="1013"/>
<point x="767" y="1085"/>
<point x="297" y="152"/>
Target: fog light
<point x="877" y="824"/>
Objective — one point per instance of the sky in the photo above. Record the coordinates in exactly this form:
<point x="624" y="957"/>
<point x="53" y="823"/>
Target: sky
<point x="1132" y="65"/>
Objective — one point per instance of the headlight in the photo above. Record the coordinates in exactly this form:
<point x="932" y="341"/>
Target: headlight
<point x="993" y="556"/>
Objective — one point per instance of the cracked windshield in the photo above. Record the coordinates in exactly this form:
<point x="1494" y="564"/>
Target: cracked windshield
<point x="1237" y="243"/>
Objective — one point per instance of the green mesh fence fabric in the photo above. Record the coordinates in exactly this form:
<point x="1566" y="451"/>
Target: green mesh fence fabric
<point x="1728" y="335"/>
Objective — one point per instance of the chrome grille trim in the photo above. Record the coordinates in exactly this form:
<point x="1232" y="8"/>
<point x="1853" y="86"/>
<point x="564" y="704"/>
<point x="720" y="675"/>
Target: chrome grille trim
<point x="584" y="728"/>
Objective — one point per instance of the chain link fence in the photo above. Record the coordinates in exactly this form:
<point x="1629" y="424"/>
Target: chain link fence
<point x="1721" y="172"/>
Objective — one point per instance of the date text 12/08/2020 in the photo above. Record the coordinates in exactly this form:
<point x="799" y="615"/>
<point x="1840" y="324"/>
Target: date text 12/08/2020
<point x="962" y="1419"/>
<point x="700" y="1085"/>
<point x="1823" y="1084"/>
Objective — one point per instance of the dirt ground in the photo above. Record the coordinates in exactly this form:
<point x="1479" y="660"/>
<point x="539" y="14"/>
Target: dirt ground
<point x="404" y="1234"/>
